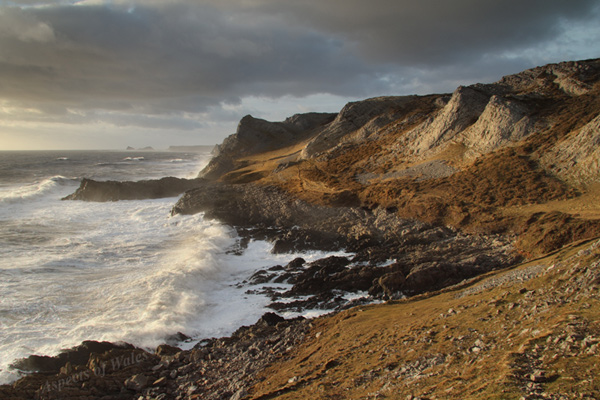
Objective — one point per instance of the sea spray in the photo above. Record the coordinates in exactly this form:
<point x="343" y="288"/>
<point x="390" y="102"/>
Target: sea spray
<point x="116" y="271"/>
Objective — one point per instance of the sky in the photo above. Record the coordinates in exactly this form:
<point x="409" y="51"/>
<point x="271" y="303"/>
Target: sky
<point x="98" y="74"/>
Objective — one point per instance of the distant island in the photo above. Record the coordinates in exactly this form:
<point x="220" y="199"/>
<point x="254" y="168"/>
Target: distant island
<point x="147" y="148"/>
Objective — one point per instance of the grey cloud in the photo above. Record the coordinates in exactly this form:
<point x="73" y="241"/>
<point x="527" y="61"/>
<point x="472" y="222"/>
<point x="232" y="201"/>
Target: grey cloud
<point x="433" y="31"/>
<point x="106" y="53"/>
<point x="166" y="58"/>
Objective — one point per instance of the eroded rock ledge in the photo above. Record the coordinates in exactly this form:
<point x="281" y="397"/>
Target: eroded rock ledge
<point x="420" y="257"/>
<point x="91" y="190"/>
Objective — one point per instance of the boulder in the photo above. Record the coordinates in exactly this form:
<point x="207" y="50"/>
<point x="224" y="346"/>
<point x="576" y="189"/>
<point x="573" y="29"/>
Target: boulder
<point x="392" y="283"/>
<point x="137" y="382"/>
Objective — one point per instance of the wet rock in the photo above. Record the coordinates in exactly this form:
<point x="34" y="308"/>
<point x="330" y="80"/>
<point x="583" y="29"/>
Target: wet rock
<point x="296" y="264"/>
<point x="270" y="319"/>
<point x="391" y="284"/>
<point x="176" y="338"/>
<point x="167" y="350"/>
<point x="260" y="277"/>
<point x="78" y="355"/>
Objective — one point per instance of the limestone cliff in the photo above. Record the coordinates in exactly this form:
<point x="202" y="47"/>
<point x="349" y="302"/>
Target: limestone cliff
<point x="255" y="135"/>
<point x="466" y="159"/>
<point x="477" y="119"/>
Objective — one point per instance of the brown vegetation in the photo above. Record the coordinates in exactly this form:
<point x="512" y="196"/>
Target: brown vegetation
<point x="530" y="332"/>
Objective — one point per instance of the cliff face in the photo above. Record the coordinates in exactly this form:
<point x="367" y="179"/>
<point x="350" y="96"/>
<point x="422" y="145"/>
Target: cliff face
<point x="468" y="159"/>
<point x="255" y="135"/>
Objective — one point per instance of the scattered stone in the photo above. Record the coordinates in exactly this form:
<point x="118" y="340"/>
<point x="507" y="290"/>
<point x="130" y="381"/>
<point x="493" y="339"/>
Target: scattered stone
<point x="137" y="382"/>
<point x="166" y="350"/>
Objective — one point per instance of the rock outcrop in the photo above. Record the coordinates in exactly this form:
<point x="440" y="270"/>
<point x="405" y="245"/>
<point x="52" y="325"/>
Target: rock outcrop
<point x="255" y="135"/>
<point x="361" y="119"/>
<point x="577" y="157"/>
<point x="91" y="190"/>
<point x="463" y="110"/>
<point x="78" y="355"/>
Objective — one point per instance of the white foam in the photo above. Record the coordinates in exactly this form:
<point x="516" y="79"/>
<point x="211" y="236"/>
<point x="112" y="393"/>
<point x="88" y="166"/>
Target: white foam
<point x="106" y="271"/>
<point x="229" y="304"/>
<point x="123" y="271"/>
<point x="35" y="190"/>
<point x="74" y="271"/>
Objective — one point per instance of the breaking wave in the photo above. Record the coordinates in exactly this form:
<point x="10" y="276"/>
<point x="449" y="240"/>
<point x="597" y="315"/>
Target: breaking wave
<point x="37" y="189"/>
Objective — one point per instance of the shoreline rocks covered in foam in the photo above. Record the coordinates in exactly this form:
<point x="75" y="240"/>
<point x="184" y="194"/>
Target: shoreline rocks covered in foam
<point x="213" y="369"/>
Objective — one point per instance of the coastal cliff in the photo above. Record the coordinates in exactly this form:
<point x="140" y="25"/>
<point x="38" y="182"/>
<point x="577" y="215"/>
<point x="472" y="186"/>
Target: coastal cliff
<point x="508" y="157"/>
<point x="474" y="216"/>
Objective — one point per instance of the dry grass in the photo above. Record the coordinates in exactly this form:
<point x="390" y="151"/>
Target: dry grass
<point x="586" y="206"/>
<point x="457" y="344"/>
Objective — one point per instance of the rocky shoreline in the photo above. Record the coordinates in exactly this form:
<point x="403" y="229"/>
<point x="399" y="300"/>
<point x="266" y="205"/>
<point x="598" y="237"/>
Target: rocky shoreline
<point x="389" y="258"/>
<point x="221" y="368"/>
<point x="421" y="192"/>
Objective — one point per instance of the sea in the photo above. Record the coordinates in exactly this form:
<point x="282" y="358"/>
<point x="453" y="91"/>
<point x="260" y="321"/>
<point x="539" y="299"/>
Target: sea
<point x="117" y="271"/>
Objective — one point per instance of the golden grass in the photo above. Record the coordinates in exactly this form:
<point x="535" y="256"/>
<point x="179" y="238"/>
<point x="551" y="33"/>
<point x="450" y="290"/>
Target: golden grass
<point x="586" y="206"/>
<point x="426" y="346"/>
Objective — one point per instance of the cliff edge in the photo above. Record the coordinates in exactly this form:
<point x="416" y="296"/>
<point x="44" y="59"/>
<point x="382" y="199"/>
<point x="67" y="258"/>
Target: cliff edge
<point x="516" y="156"/>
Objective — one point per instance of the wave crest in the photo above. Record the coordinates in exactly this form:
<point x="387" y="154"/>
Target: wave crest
<point x="36" y="190"/>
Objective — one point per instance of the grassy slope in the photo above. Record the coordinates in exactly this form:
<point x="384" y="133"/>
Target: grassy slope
<point x="500" y="336"/>
<point x="515" y="338"/>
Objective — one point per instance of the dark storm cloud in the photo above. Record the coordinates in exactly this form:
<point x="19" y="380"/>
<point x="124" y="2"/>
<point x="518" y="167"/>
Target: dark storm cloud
<point x="168" y="58"/>
<point x="176" y="58"/>
<point x="430" y="32"/>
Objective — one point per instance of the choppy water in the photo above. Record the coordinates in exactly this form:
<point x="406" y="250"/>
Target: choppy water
<point x="73" y="271"/>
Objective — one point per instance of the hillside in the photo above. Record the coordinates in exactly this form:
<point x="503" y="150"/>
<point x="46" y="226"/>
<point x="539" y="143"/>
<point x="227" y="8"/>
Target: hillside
<point x="516" y="156"/>
<point x="531" y="332"/>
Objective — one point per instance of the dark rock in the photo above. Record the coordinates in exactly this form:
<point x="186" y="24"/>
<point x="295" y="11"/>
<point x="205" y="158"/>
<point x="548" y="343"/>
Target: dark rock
<point x="91" y="190"/>
<point x="260" y="277"/>
<point x="296" y="225"/>
<point x="392" y="283"/>
<point x="166" y="350"/>
<point x="137" y="382"/>
<point x="78" y="355"/>
<point x="285" y="277"/>
<point x="270" y="319"/>
<point x="176" y="338"/>
<point x="297" y="264"/>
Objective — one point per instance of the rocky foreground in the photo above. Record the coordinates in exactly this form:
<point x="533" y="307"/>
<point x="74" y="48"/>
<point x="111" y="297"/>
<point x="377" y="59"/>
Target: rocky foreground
<point x="529" y="332"/>
<point x="473" y="215"/>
